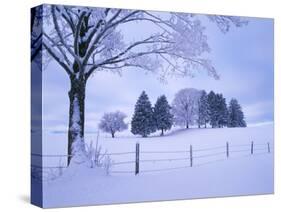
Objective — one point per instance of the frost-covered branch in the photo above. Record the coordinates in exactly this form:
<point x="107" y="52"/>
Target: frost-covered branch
<point x="57" y="57"/>
<point x="224" y="22"/>
<point x="64" y="11"/>
<point x="59" y="47"/>
<point x="61" y="37"/>
<point x="178" y="41"/>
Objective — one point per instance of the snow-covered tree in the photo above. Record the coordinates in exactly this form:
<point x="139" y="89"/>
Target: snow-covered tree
<point x="235" y="114"/>
<point x="222" y="117"/>
<point x="113" y="122"/>
<point x="218" y="112"/>
<point x="213" y="109"/>
<point x="203" y="110"/>
<point x="162" y="115"/>
<point x="84" y="40"/>
<point x="143" y="122"/>
<point x="185" y="107"/>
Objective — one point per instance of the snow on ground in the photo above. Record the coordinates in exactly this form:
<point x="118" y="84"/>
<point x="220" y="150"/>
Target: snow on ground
<point x="211" y="176"/>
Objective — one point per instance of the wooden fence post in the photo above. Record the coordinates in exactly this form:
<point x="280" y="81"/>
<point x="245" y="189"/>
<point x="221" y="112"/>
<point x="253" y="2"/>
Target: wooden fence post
<point x="191" y="156"/>
<point x="227" y="149"/>
<point x="268" y="147"/>
<point x="252" y="148"/>
<point x="137" y="169"/>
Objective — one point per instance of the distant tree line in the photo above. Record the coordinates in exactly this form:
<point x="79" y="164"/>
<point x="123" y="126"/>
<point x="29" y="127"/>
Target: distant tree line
<point x="189" y="107"/>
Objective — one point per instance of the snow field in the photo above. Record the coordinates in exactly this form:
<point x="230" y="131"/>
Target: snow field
<point x="213" y="176"/>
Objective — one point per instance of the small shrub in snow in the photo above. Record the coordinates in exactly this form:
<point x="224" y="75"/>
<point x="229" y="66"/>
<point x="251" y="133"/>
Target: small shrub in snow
<point x="97" y="157"/>
<point x="107" y="164"/>
<point x="95" y="154"/>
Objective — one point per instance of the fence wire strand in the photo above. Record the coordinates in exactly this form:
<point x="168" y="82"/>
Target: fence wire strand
<point x="160" y="152"/>
<point x="122" y="162"/>
<point x="164" y="169"/>
<point x="165" y="159"/>
<point x="208" y="149"/>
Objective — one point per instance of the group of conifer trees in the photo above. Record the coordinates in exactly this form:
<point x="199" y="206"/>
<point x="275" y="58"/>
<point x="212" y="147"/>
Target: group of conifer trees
<point x="199" y="108"/>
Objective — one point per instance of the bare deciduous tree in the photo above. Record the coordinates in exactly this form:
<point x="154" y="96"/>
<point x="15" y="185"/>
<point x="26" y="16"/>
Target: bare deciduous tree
<point x="113" y="122"/>
<point x="185" y="107"/>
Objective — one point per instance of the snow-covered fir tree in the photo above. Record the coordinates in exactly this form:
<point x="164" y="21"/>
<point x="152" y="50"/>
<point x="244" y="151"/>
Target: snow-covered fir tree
<point x="235" y="114"/>
<point x="143" y="122"/>
<point x="213" y="109"/>
<point x="218" y="112"/>
<point x="185" y="107"/>
<point x="222" y="113"/>
<point x="113" y="122"/>
<point x="162" y="115"/>
<point x="203" y="110"/>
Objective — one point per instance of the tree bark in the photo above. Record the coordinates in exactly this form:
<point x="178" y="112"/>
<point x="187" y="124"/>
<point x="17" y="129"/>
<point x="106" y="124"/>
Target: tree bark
<point x="162" y="132"/>
<point x="187" y="126"/>
<point x="112" y="134"/>
<point x="76" y="95"/>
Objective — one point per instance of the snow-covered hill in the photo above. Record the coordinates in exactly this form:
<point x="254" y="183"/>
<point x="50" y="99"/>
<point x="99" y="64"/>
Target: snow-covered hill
<point x="212" y="175"/>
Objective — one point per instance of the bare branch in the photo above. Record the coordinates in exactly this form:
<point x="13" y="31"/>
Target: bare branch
<point x="109" y="61"/>
<point x="99" y="36"/>
<point x="62" y="39"/>
<point x="77" y="31"/>
<point x="54" y="44"/>
<point x="138" y="43"/>
<point x="97" y="27"/>
<point x="55" y="56"/>
<point x="67" y="19"/>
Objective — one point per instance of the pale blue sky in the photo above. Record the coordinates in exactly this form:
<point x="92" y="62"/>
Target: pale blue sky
<point x="243" y="58"/>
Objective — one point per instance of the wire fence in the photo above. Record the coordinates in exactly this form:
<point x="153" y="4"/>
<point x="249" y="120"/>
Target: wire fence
<point x="187" y="158"/>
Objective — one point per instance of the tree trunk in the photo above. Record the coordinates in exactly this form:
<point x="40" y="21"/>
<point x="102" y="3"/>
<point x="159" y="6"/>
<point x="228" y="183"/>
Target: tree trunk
<point x="205" y="125"/>
<point x="187" y="126"/>
<point x="76" y="145"/>
<point x="112" y="134"/>
<point x="162" y="132"/>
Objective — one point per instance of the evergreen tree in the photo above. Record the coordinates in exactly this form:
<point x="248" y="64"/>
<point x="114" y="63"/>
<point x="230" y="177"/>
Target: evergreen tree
<point x="143" y="122"/>
<point x="222" y="112"/>
<point x="213" y="109"/>
<point x="203" y="110"/>
<point x="162" y="115"/>
<point x="235" y="114"/>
